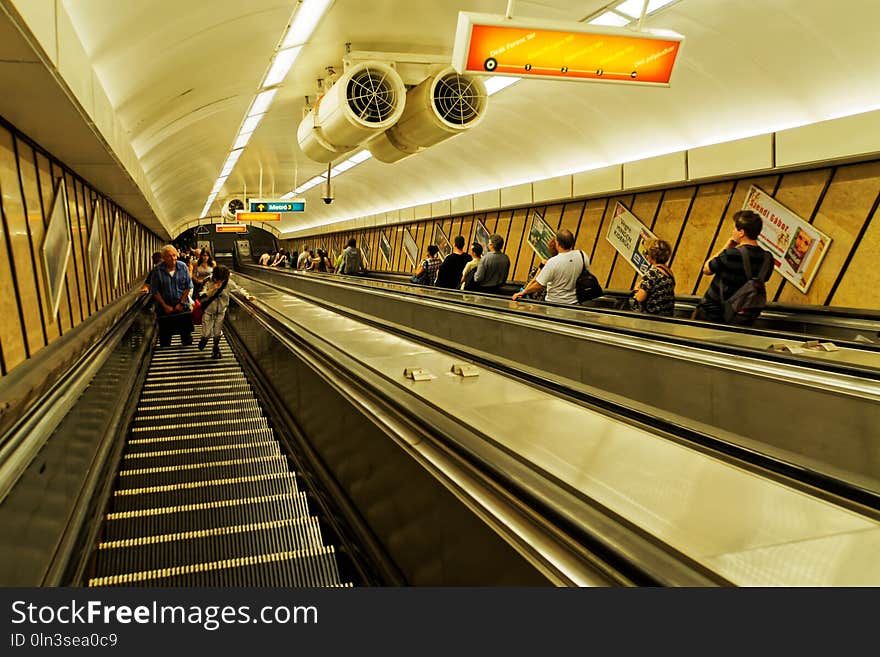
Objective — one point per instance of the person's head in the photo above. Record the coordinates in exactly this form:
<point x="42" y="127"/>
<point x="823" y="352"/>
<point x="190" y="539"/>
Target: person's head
<point x="458" y="242"/>
<point x="749" y="222"/>
<point x="433" y="250"/>
<point x="476" y="250"/>
<point x="204" y="258"/>
<point x="352" y="243"/>
<point x="220" y="273"/>
<point x="157" y="258"/>
<point x="564" y="239"/>
<point x="658" y="251"/>
<point x="169" y="255"/>
<point x="311" y="253"/>
<point x="496" y="242"/>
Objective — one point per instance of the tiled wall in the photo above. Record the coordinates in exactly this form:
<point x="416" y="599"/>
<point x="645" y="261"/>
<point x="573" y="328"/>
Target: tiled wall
<point x="842" y="201"/>
<point x="29" y="177"/>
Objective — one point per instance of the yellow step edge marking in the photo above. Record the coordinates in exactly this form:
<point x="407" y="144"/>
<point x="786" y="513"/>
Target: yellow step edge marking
<point x="196" y="466"/>
<point x="199" y="506"/>
<point x="196" y="450"/>
<point x="167" y="488"/>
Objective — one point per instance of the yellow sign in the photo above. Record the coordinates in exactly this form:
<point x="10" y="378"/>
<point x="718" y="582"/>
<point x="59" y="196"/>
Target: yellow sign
<point x="574" y="51"/>
<point x="258" y="216"/>
<point x="230" y="228"/>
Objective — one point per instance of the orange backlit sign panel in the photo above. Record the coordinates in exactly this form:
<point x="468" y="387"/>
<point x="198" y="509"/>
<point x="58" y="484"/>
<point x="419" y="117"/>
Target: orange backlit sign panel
<point x="258" y="216"/>
<point x="494" y="45"/>
<point x="230" y="228"/>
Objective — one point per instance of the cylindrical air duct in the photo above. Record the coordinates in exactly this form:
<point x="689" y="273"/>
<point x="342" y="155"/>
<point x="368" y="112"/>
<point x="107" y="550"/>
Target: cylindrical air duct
<point x="442" y="106"/>
<point x="366" y="100"/>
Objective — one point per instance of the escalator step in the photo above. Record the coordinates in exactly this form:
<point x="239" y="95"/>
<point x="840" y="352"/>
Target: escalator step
<point x="233" y="468"/>
<point x="168" y="397"/>
<point x="208" y="515"/>
<point x="199" y="454"/>
<point x="198" y="492"/>
<point x="184" y="549"/>
<point x="246" y="419"/>
<point x="217" y="410"/>
<point x="169" y="383"/>
<point x="213" y="367"/>
<point x="217" y="401"/>
<point x="208" y="439"/>
<point x="311" y="567"/>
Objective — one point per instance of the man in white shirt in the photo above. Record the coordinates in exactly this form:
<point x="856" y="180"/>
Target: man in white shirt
<point x="561" y="272"/>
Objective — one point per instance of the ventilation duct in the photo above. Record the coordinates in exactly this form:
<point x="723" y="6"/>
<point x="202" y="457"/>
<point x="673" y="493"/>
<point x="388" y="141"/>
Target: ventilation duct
<point x="366" y="100"/>
<point x="442" y="106"/>
<point x="231" y="205"/>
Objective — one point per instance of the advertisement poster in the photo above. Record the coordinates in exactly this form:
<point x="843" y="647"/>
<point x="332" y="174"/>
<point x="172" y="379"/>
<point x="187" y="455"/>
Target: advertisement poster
<point x="409" y="247"/>
<point x="481" y="235"/>
<point x="385" y="248"/>
<point x="540" y="236"/>
<point x="365" y="250"/>
<point x="244" y="248"/>
<point x="797" y="246"/>
<point x="442" y="241"/>
<point x="626" y="234"/>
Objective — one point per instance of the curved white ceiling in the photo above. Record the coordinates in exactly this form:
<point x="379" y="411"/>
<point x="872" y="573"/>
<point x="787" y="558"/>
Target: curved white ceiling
<point x="181" y="76"/>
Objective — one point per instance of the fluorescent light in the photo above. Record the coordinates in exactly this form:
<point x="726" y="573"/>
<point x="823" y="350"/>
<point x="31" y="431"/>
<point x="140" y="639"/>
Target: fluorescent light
<point x="288" y="195"/>
<point x="281" y="66"/>
<point x="219" y="184"/>
<point x="242" y="140"/>
<point x="342" y="167"/>
<point x="305" y="21"/>
<point x="262" y="102"/>
<point x="496" y="83"/>
<point x="610" y="18"/>
<point x="634" y="7"/>
<point x="250" y="123"/>
<point x="363" y="156"/>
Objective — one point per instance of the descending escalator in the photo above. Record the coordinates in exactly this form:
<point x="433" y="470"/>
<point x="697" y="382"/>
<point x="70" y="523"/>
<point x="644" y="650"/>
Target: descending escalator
<point x="204" y="496"/>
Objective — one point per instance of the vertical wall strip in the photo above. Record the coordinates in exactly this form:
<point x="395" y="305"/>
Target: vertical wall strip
<point x="852" y="251"/>
<point x="714" y="239"/>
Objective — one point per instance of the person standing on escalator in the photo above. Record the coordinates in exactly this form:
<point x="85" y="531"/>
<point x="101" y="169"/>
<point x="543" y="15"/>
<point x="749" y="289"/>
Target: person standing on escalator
<point x="215" y="302"/>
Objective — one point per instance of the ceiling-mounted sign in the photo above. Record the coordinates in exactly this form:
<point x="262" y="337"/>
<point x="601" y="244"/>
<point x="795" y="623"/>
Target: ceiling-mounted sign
<point x="552" y="50"/>
<point x="258" y="216"/>
<point x="230" y="228"/>
<point x="277" y="205"/>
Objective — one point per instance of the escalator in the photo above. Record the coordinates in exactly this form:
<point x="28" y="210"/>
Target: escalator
<point x="204" y="496"/>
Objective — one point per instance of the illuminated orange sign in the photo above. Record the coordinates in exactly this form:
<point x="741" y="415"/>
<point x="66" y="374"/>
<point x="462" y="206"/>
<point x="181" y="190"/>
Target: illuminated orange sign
<point x="258" y="216"/>
<point x="230" y="228"/>
<point x="498" y="46"/>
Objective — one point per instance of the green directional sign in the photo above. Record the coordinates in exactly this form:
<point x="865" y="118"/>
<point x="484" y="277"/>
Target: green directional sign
<point x="295" y="205"/>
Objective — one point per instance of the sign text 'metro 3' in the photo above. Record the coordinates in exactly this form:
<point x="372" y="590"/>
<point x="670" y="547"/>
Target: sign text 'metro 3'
<point x="263" y="205"/>
<point x="553" y="50"/>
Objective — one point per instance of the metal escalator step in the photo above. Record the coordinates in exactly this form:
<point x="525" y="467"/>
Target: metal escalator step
<point x="203" y="372"/>
<point x="193" y="517"/>
<point x="226" y="396"/>
<point x="244" y="419"/>
<point x="239" y="467"/>
<point x="202" y="377"/>
<point x="215" y="410"/>
<point x="197" y="492"/>
<point x="310" y="567"/>
<point x="198" y="454"/>
<point x="224" y="543"/>
<point x="213" y="365"/>
<point x="171" y="396"/>
<point x="208" y="439"/>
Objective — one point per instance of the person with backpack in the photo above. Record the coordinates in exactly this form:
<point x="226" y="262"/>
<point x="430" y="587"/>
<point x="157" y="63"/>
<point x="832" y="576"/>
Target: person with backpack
<point x="655" y="294"/>
<point x="350" y="260"/>
<point x="737" y="294"/>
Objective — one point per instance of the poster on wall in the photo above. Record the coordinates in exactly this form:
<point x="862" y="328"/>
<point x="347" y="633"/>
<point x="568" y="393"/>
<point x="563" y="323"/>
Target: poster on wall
<point x="409" y="247"/>
<point x="365" y="250"/>
<point x="56" y="248"/>
<point x="385" y="248"/>
<point x="205" y="245"/>
<point x="96" y="247"/>
<point x="540" y="236"/>
<point x="626" y="234"/>
<point x="244" y="248"/>
<point x="442" y="241"/>
<point x="481" y="235"/>
<point x="797" y="246"/>
<point x="116" y="247"/>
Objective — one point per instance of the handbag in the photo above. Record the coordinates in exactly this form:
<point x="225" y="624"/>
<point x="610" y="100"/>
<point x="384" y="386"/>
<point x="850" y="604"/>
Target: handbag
<point x="587" y="285"/>
<point x="197" y="312"/>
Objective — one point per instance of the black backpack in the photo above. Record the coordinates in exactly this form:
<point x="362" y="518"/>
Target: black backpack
<point x="587" y="286"/>
<point x="744" y="305"/>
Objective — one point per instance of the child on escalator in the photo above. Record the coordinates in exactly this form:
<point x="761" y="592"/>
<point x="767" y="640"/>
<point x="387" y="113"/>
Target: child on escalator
<point x="215" y="301"/>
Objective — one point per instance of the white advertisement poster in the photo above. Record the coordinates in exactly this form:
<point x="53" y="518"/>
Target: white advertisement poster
<point x="626" y="234"/>
<point x="410" y="248"/>
<point x="797" y="246"/>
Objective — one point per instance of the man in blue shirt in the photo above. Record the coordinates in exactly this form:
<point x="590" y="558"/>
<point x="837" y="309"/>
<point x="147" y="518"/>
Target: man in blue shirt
<point x="170" y="285"/>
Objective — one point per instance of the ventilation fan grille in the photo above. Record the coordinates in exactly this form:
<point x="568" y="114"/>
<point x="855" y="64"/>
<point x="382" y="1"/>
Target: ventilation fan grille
<point x="458" y="100"/>
<point x="234" y="205"/>
<point x="371" y="95"/>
